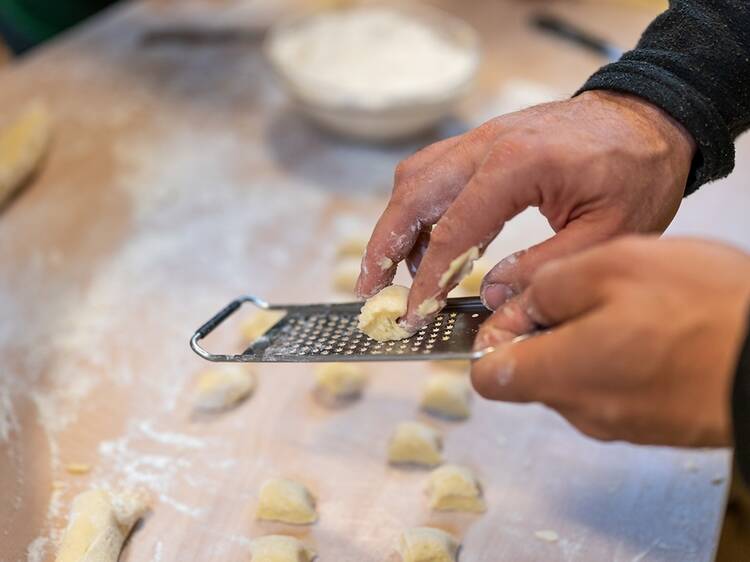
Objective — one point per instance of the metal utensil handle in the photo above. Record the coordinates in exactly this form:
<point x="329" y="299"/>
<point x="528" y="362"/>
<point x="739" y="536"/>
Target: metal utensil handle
<point x="566" y="30"/>
<point x="216" y="320"/>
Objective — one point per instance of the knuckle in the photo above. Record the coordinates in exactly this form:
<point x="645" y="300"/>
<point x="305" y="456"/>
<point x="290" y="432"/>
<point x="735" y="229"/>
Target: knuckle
<point x="402" y="171"/>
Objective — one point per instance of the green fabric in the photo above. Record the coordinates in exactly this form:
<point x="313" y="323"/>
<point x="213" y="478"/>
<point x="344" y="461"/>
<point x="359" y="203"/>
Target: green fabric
<point x="38" y="20"/>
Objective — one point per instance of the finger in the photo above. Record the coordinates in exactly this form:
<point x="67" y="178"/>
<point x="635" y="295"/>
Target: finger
<point x="513" y="274"/>
<point x="418" y="201"/>
<point x="543" y="368"/>
<point x="509" y="321"/>
<point x="501" y="188"/>
<point x="418" y="251"/>
<point x="394" y="232"/>
<point x="565" y="289"/>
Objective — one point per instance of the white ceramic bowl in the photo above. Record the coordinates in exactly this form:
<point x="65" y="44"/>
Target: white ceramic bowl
<point x="388" y="119"/>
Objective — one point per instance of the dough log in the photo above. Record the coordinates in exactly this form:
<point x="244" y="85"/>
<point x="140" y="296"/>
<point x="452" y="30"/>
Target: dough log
<point x="99" y="523"/>
<point x="279" y="548"/>
<point x="427" y="544"/>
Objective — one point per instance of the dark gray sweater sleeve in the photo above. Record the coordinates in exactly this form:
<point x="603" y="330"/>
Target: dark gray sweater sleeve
<point x="693" y="61"/>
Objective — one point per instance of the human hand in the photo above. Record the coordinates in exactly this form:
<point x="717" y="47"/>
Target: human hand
<point x="644" y="340"/>
<point x="598" y="165"/>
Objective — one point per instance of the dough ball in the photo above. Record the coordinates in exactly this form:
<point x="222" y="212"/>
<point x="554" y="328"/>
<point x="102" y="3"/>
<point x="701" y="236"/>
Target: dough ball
<point x="340" y="380"/>
<point x="379" y="315"/>
<point x="98" y="525"/>
<point x="353" y="246"/>
<point x="286" y="501"/>
<point x="471" y="284"/>
<point x="279" y="548"/>
<point x="455" y="488"/>
<point x="447" y="395"/>
<point x="222" y="387"/>
<point x="415" y="443"/>
<point x="23" y="144"/>
<point x="453" y="365"/>
<point x="259" y="323"/>
<point x="345" y="276"/>
<point x="427" y="544"/>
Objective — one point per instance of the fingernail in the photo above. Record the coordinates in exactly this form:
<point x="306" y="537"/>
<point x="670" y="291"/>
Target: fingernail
<point x="495" y="295"/>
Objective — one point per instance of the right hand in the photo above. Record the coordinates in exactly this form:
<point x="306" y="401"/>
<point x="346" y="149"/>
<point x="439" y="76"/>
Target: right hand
<point x="597" y="166"/>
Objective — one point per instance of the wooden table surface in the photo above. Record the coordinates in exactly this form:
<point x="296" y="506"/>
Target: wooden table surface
<point x="179" y="177"/>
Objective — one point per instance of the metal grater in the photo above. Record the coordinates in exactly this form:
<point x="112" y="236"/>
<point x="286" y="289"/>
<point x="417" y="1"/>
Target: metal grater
<point x="328" y="332"/>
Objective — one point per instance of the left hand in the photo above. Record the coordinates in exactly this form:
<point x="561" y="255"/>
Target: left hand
<point x="645" y="336"/>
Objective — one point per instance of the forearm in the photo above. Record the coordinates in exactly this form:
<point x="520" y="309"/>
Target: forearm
<point x="693" y="61"/>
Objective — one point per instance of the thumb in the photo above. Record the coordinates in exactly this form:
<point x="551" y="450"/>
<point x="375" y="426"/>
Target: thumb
<point x="513" y="274"/>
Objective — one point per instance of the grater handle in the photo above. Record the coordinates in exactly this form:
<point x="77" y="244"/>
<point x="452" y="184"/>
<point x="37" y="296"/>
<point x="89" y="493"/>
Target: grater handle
<point x="217" y="319"/>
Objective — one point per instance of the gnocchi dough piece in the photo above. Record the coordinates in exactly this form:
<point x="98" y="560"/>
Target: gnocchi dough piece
<point x="99" y="523"/>
<point x="415" y="443"/>
<point x="471" y="284"/>
<point x="340" y="380"/>
<point x="453" y="365"/>
<point x="258" y="324"/>
<point x="427" y="544"/>
<point x="455" y="488"/>
<point x="219" y="388"/>
<point x="380" y="313"/>
<point x="23" y="144"/>
<point x="447" y="395"/>
<point x="353" y="246"/>
<point x="279" y="548"/>
<point x="286" y="501"/>
<point x="345" y="276"/>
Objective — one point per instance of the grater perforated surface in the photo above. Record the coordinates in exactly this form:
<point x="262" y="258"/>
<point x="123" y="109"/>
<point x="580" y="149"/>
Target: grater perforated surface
<point x="328" y="332"/>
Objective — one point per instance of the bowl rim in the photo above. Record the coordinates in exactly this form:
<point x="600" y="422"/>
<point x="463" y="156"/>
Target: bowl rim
<point x="425" y="13"/>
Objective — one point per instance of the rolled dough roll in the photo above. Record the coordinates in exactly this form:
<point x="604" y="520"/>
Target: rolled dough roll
<point x="279" y="548"/>
<point x="353" y="246"/>
<point x="345" y="275"/>
<point x="415" y="443"/>
<point x="258" y="323"/>
<point x="99" y="523"/>
<point x="447" y="395"/>
<point x="380" y="313"/>
<point x="222" y="387"/>
<point x="23" y="144"/>
<point x="455" y="488"/>
<point x="340" y="380"/>
<point x="427" y="544"/>
<point x="286" y="501"/>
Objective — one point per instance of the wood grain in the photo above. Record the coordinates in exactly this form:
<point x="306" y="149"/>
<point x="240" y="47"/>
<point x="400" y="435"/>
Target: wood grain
<point x="179" y="178"/>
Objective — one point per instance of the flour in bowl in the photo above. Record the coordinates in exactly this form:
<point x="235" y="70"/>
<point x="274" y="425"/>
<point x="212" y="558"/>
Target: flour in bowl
<point x="372" y="57"/>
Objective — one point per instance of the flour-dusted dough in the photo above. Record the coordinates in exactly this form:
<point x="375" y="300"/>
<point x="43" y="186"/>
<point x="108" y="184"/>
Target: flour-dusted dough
<point x="99" y="523"/>
<point x="455" y="488"/>
<point x="447" y="395"/>
<point x="23" y="144"/>
<point x="345" y="274"/>
<point x="353" y="246"/>
<point x="340" y="380"/>
<point x="279" y="548"/>
<point x="286" y="501"/>
<point x="427" y="544"/>
<point x="471" y="284"/>
<point x="222" y="387"/>
<point x="415" y="443"/>
<point x="379" y="315"/>
<point x="458" y="366"/>
<point x="258" y="324"/>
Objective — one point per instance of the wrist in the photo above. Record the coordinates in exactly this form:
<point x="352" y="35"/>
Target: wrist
<point x="649" y="116"/>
